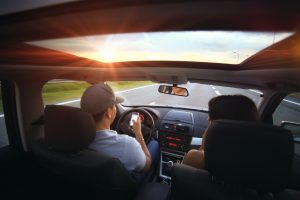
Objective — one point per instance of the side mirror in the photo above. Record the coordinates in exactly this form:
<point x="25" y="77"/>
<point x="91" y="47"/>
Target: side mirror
<point x="178" y="91"/>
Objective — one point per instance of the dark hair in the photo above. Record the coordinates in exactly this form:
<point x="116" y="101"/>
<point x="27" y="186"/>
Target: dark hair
<point x="234" y="107"/>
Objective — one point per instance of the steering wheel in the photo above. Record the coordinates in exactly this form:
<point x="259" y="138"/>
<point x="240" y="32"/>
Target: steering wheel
<point x="123" y="126"/>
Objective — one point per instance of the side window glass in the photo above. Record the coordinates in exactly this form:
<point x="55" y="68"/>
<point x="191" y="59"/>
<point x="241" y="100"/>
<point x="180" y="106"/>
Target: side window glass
<point x="288" y="110"/>
<point x="69" y="92"/>
<point x="287" y="115"/>
<point x="3" y="133"/>
<point x="63" y="92"/>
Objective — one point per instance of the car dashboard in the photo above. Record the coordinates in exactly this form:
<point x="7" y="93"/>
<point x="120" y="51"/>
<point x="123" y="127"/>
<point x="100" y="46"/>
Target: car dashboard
<point x="177" y="131"/>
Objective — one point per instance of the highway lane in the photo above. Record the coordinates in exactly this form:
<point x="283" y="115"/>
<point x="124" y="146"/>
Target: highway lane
<point x="198" y="98"/>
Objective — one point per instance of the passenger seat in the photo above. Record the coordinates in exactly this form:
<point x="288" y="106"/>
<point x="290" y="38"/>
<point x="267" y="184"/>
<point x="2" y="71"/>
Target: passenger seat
<point x="243" y="160"/>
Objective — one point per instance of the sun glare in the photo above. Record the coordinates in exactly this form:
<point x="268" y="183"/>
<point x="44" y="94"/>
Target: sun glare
<point x="107" y="55"/>
<point x="231" y="47"/>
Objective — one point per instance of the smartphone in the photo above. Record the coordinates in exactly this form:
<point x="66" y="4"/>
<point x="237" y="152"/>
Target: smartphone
<point x="134" y="117"/>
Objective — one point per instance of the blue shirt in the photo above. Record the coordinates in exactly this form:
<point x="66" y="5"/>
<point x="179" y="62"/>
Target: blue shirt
<point x="123" y="147"/>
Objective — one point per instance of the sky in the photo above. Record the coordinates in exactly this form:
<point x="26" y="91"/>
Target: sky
<point x="230" y="47"/>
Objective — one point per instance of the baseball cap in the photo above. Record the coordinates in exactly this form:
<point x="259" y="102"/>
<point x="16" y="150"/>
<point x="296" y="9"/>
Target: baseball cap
<point x="98" y="97"/>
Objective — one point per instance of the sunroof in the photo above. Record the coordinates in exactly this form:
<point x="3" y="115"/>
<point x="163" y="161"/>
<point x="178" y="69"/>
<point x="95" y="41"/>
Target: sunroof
<point x="231" y="47"/>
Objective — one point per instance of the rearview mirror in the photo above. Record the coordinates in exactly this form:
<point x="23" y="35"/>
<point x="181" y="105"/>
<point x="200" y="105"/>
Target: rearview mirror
<point x="178" y="91"/>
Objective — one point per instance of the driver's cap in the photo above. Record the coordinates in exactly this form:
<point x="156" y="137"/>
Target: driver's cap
<point x="98" y="97"/>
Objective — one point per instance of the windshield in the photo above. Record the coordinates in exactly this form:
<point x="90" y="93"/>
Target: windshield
<point x="199" y="95"/>
<point x="143" y="93"/>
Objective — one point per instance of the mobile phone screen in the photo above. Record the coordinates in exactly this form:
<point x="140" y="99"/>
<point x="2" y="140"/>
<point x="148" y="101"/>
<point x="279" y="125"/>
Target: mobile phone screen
<point x="134" y="117"/>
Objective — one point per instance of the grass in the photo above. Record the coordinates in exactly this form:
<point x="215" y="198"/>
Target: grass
<point x="295" y="95"/>
<point x="62" y="91"/>
<point x="57" y="92"/>
<point x="123" y="85"/>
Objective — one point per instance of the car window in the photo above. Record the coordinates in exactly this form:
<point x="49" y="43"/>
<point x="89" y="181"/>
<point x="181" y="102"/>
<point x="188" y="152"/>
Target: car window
<point x="69" y="92"/>
<point x="288" y="109"/>
<point x="63" y="92"/>
<point x="3" y="133"/>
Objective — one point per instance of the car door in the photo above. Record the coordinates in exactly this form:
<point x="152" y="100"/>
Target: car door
<point x="287" y="115"/>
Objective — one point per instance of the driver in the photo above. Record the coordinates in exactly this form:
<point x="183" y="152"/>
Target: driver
<point x="100" y="101"/>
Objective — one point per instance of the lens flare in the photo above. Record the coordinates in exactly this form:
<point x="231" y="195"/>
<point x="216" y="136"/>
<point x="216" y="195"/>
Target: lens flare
<point x="107" y="54"/>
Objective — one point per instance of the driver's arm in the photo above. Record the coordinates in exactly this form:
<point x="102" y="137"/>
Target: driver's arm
<point x="139" y="137"/>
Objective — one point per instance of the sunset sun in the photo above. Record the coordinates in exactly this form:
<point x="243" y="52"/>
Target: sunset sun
<point x="107" y="54"/>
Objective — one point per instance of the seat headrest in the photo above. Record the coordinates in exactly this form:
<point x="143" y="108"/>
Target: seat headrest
<point x="250" y="154"/>
<point x="68" y="129"/>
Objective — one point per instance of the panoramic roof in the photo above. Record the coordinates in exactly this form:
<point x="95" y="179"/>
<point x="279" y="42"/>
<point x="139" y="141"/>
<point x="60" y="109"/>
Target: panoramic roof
<point x="229" y="47"/>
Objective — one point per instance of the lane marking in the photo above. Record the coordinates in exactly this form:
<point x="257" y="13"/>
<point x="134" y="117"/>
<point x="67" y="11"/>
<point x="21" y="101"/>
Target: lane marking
<point x="217" y="92"/>
<point x="298" y="104"/>
<point x="67" y="102"/>
<point x="119" y="92"/>
<point x="134" y="89"/>
<point x="292" y="102"/>
<point x="77" y="100"/>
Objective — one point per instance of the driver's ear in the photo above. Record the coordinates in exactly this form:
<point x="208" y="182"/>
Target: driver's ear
<point x="109" y="113"/>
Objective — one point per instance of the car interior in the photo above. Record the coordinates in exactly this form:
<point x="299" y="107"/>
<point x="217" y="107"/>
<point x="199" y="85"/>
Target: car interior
<point x="44" y="150"/>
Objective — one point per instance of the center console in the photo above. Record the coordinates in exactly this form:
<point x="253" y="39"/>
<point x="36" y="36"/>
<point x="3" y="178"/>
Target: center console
<point x="175" y="134"/>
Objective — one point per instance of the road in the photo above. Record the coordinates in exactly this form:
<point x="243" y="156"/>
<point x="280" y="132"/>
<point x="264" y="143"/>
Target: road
<point x="198" y="98"/>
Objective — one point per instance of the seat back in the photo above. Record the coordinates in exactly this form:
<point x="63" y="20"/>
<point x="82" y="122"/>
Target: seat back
<point x="243" y="160"/>
<point x="63" y="152"/>
<point x="253" y="155"/>
<point x="68" y="129"/>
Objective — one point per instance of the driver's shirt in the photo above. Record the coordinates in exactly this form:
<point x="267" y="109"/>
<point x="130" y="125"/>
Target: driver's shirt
<point x="123" y="147"/>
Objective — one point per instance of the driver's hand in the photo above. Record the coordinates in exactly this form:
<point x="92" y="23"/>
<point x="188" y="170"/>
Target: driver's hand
<point x="137" y="127"/>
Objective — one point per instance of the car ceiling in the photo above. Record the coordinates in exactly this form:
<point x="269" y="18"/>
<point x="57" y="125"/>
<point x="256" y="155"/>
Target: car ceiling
<point x="277" y="63"/>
